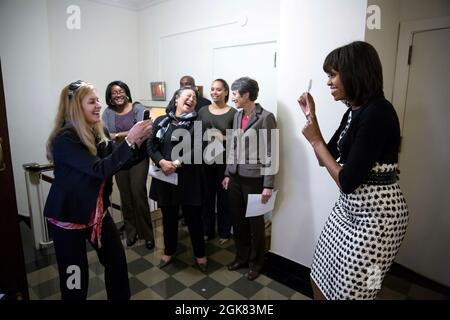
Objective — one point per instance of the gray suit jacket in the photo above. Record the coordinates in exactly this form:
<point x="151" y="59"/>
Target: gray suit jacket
<point x="247" y="155"/>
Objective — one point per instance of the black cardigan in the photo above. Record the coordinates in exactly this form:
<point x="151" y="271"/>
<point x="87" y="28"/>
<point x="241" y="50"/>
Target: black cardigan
<point x="79" y="175"/>
<point x="373" y="136"/>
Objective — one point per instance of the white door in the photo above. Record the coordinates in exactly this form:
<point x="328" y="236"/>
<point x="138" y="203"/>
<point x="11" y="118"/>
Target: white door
<point x="425" y="157"/>
<point x="255" y="60"/>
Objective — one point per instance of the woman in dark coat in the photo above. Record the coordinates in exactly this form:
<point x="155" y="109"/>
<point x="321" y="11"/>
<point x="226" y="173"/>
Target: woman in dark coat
<point x="189" y="193"/>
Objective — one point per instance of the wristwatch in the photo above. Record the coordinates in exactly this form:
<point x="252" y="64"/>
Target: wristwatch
<point x="116" y="135"/>
<point x="132" y="146"/>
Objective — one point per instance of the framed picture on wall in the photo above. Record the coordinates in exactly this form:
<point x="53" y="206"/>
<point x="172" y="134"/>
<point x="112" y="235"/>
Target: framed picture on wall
<point x="158" y="90"/>
<point x="200" y="90"/>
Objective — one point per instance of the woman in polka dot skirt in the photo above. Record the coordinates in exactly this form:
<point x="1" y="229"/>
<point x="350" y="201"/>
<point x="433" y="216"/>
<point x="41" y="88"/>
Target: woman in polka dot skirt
<point x="368" y="222"/>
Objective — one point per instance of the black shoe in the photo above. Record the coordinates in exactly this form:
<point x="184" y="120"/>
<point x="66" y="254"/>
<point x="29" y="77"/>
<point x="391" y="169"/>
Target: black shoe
<point x="203" y="266"/>
<point x="236" y="265"/>
<point x="209" y="238"/>
<point x="164" y="263"/>
<point x="150" y="244"/>
<point x="252" y="275"/>
<point x="131" y="242"/>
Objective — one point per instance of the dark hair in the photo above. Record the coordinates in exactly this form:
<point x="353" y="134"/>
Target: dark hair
<point x="225" y="85"/>
<point x="190" y="80"/>
<point x="121" y="84"/>
<point x="359" y="68"/>
<point x="172" y="103"/>
<point x="73" y="87"/>
<point x="244" y="85"/>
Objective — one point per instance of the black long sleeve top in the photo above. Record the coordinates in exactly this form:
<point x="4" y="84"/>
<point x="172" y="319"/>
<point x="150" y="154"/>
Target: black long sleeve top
<point x="373" y="137"/>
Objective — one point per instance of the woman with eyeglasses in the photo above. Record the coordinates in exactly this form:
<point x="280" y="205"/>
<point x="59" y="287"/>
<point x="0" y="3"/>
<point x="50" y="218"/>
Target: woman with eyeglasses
<point x="84" y="162"/>
<point x="173" y="149"/>
<point x="119" y="118"/>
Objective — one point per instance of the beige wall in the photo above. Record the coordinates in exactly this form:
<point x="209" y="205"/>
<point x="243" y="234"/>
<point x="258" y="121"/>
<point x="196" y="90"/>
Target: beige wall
<point x="393" y="12"/>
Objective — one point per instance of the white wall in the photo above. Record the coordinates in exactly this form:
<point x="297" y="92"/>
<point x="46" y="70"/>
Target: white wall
<point x="177" y="38"/>
<point x="309" y="30"/>
<point x="25" y="59"/>
<point x="103" y="50"/>
<point x="40" y="55"/>
<point x="393" y="12"/>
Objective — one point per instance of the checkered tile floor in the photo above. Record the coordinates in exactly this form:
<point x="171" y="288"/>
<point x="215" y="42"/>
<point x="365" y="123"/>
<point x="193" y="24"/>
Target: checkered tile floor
<point x="182" y="280"/>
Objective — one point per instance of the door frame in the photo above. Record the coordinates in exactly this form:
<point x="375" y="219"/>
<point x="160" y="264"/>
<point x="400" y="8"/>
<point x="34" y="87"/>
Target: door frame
<point x="13" y="277"/>
<point x="406" y="37"/>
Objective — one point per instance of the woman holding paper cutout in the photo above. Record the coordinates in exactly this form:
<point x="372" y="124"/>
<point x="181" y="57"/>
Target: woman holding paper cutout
<point x="189" y="193"/>
<point x="243" y="177"/>
<point x="367" y="224"/>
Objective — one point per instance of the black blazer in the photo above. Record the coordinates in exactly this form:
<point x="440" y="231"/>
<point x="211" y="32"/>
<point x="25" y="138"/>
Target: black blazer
<point x="79" y="175"/>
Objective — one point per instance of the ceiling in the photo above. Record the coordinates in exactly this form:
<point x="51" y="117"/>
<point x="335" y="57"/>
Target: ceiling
<point x="135" y="5"/>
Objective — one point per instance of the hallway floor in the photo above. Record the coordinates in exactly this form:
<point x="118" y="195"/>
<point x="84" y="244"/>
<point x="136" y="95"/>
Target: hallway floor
<point x="182" y="280"/>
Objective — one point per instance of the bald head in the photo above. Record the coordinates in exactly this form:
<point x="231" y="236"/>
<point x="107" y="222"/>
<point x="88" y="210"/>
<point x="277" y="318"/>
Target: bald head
<point x="187" y="81"/>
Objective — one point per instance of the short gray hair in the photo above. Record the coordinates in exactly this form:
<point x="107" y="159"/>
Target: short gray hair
<point x="244" y="85"/>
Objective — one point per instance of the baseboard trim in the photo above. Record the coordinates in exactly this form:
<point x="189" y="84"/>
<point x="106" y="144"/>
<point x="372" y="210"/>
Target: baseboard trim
<point x="289" y="273"/>
<point x="411" y="276"/>
<point x="296" y="276"/>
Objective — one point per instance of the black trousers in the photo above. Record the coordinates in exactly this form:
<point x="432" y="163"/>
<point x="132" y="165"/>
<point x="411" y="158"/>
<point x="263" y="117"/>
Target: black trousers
<point x="249" y="233"/>
<point x="132" y="185"/>
<point x="214" y="176"/>
<point x="71" y="255"/>
<point x="193" y="219"/>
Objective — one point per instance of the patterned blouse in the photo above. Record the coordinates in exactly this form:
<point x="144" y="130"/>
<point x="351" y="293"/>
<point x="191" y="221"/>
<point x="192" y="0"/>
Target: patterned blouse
<point x="96" y="220"/>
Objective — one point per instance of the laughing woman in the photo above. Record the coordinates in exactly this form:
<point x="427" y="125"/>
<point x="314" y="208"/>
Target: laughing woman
<point x="78" y="199"/>
<point x="368" y="222"/>
<point x="189" y="193"/>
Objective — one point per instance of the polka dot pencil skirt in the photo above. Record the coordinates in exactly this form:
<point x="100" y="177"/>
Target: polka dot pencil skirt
<point x="360" y="240"/>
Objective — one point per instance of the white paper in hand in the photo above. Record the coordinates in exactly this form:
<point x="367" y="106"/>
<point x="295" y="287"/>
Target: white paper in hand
<point x="256" y="208"/>
<point x="157" y="173"/>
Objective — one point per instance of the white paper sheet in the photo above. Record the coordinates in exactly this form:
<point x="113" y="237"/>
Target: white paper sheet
<point x="256" y="208"/>
<point x="157" y="173"/>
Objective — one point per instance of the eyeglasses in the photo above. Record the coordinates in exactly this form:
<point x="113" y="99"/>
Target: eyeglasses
<point x="74" y="86"/>
<point x="118" y="92"/>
